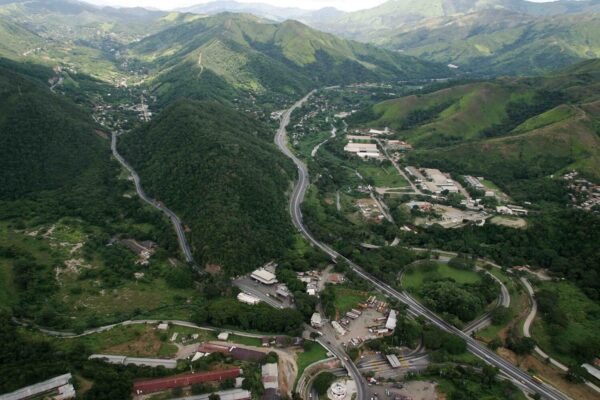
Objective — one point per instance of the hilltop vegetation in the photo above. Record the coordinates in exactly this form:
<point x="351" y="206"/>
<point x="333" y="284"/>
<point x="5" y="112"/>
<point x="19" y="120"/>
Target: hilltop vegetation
<point x="481" y="36"/>
<point x="255" y="55"/>
<point x="511" y="129"/>
<point x="219" y="170"/>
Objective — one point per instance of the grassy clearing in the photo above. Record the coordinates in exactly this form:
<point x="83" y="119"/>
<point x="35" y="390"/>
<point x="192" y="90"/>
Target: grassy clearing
<point x="382" y="176"/>
<point x="308" y="143"/>
<point x="583" y="324"/>
<point x="304" y="359"/>
<point x="347" y="299"/>
<point x="412" y="280"/>
<point x="247" y="341"/>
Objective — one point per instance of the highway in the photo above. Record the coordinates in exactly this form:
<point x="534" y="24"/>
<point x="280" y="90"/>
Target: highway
<point x="183" y="243"/>
<point x="518" y="376"/>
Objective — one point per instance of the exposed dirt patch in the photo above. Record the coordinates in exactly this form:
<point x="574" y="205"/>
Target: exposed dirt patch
<point x="213" y="269"/>
<point x="146" y="345"/>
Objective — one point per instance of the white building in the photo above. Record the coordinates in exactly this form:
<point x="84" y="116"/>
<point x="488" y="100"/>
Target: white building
<point x="263" y="276"/>
<point x="390" y="324"/>
<point x="247" y="299"/>
<point x="363" y="150"/>
<point x="338" y="328"/>
<point x="316" y="321"/>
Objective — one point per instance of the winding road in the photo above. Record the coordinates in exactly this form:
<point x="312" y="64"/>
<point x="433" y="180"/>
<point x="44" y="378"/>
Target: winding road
<point x="519" y="377"/>
<point x="183" y="243"/>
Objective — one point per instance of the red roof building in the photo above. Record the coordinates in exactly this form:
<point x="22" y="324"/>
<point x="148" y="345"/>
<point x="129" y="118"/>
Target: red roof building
<point x="157" y="385"/>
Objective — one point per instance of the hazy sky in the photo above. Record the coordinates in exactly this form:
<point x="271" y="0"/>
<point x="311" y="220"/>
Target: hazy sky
<point x="347" y="5"/>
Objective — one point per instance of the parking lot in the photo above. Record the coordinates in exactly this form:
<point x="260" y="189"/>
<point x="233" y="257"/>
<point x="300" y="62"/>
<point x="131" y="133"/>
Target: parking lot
<point x="266" y="293"/>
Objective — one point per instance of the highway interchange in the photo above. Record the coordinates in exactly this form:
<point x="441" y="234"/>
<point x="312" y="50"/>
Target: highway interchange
<point x="508" y="370"/>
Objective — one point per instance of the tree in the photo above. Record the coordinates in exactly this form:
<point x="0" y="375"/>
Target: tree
<point x="323" y="381"/>
<point x="214" y="396"/>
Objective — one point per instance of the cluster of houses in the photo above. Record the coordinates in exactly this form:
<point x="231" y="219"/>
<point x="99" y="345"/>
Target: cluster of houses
<point x="584" y="195"/>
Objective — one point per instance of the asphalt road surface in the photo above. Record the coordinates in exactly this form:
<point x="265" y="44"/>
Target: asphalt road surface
<point x="183" y="243"/>
<point x="521" y="378"/>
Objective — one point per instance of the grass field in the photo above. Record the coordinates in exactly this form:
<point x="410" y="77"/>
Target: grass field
<point x="307" y="144"/>
<point x="347" y="299"/>
<point x="304" y="359"/>
<point x="414" y="279"/>
<point x="382" y="176"/>
<point x="583" y="324"/>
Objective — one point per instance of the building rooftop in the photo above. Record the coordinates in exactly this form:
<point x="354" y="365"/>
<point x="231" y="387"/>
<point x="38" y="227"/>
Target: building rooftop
<point x="264" y="276"/>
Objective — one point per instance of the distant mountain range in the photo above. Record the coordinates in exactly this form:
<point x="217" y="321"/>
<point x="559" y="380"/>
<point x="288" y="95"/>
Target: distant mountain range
<point x="248" y="53"/>
<point x="482" y="36"/>
<point x="265" y="10"/>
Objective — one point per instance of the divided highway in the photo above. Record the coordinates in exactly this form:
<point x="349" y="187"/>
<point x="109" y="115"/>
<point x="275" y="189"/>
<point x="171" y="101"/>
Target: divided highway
<point x="183" y="243"/>
<point x="519" y="377"/>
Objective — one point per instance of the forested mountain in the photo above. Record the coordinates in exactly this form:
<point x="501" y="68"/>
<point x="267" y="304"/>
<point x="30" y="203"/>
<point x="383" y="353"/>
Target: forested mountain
<point x="507" y="129"/>
<point x="219" y="171"/>
<point x="486" y="37"/>
<point x="46" y="142"/>
<point x="252" y="54"/>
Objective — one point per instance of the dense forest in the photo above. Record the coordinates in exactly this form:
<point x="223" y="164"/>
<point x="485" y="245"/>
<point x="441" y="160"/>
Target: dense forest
<point x="219" y="170"/>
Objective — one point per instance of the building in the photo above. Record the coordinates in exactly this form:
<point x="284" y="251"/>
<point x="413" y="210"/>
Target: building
<point x="390" y="324"/>
<point x="592" y="370"/>
<point x="57" y="388"/>
<point x="232" y="394"/>
<point x="146" y="362"/>
<point x="316" y="321"/>
<point x="338" y="391"/>
<point x="363" y="150"/>
<point x="263" y="276"/>
<point x="157" y="385"/>
<point x="359" y="138"/>
<point x="474" y="182"/>
<point x="223" y="336"/>
<point x="438" y="182"/>
<point x="247" y="299"/>
<point x="283" y="291"/>
<point x="386" y="131"/>
<point x="270" y="376"/>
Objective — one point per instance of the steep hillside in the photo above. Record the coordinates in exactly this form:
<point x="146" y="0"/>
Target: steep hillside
<point x="46" y="142"/>
<point x="395" y="15"/>
<point x="219" y="170"/>
<point x="503" y="42"/>
<point x="255" y="55"/>
<point x="507" y="128"/>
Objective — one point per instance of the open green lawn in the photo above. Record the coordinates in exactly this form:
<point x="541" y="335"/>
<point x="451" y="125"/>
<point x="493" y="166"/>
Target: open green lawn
<point x="583" y="322"/>
<point x="415" y="277"/>
<point x="382" y="176"/>
<point x="306" y="358"/>
<point x="347" y="299"/>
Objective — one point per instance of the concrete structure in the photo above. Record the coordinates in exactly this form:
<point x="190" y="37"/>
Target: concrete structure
<point x="474" y="182"/>
<point x="162" y="327"/>
<point x="233" y="394"/>
<point x="59" y="386"/>
<point x="592" y="370"/>
<point x="337" y="391"/>
<point x="157" y="385"/>
<point x="391" y="321"/>
<point x="363" y="150"/>
<point x="316" y="321"/>
<point x="386" y="131"/>
<point x="393" y="360"/>
<point x="438" y="182"/>
<point x="263" y="276"/>
<point x="223" y="336"/>
<point x="270" y="376"/>
<point x="123" y="360"/>
<point x="247" y="299"/>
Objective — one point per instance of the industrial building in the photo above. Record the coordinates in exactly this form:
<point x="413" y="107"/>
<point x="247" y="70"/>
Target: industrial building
<point x="57" y="388"/>
<point x="157" y="385"/>
<point x="263" y="276"/>
<point x="123" y="360"/>
<point x="363" y="150"/>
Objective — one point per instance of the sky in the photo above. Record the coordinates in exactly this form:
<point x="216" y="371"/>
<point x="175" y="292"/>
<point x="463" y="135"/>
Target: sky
<point x="346" y="5"/>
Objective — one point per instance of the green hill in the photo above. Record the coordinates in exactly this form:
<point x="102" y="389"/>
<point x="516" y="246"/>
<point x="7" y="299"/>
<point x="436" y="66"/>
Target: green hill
<point x="506" y="129"/>
<point x="219" y="171"/>
<point x="255" y="55"/>
<point x="46" y="142"/>
<point x="503" y="42"/>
